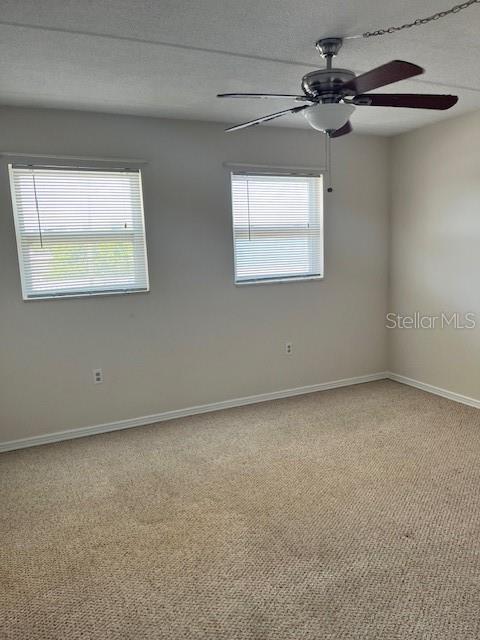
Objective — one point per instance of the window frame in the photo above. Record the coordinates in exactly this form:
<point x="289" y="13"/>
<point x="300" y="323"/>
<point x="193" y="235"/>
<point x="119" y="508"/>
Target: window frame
<point x="71" y="163"/>
<point x="278" y="171"/>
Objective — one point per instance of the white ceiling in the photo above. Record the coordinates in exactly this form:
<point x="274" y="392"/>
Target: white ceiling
<point x="170" y="57"/>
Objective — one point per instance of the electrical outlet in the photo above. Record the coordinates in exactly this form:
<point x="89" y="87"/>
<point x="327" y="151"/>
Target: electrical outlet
<point x="97" y="376"/>
<point x="288" y="348"/>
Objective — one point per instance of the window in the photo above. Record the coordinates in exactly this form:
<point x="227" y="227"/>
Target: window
<point x="79" y="231"/>
<point x="277" y="227"/>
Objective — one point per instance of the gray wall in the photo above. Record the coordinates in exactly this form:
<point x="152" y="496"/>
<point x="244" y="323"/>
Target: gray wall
<point x="435" y="251"/>
<point x="195" y="338"/>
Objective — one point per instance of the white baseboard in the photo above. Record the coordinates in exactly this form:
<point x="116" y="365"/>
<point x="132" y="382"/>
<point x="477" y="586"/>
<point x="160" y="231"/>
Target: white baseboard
<point x="445" y="393"/>
<point x="189" y="411"/>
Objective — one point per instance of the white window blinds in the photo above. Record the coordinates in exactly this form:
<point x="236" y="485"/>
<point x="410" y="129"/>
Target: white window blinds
<point x="277" y="227"/>
<point x="79" y="231"/>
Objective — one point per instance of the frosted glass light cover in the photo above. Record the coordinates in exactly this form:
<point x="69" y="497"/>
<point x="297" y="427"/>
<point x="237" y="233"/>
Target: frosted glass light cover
<point x="329" y="116"/>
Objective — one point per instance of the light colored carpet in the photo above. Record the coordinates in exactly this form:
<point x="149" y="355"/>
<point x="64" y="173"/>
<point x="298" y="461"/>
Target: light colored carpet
<point x="346" y="514"/>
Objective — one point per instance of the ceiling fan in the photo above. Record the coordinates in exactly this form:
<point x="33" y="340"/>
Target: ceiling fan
<point x="331" y="95"/>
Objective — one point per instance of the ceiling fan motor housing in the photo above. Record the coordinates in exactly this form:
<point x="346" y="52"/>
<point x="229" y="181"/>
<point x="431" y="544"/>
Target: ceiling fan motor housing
<point x="325" y="84"/>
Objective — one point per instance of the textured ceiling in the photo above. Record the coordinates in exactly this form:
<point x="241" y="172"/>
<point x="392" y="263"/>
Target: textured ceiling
<point x="170" y="57"/>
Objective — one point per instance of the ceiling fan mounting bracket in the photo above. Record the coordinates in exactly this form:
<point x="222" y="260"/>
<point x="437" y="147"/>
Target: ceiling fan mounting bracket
<point x="323" y="84"/>
<point x="329" y="48"/>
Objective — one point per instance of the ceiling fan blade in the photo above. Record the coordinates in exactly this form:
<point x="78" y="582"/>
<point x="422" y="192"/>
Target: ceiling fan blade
<point x="281" y="96"/>
<point x="347" y="128"/>
<point x="380" y="76"/>
<point x="272" y="116"/>
<point x="408" y="100"/>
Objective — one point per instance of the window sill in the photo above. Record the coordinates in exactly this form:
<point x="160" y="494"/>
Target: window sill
<point x="69" y="296"/>
<point x="277" y="280"/>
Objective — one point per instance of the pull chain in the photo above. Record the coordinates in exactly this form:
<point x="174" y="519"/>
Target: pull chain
<point x="328" y="162"/>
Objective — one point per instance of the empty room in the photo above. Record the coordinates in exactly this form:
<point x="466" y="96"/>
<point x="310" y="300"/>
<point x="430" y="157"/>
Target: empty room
<point x="239" y="320"/>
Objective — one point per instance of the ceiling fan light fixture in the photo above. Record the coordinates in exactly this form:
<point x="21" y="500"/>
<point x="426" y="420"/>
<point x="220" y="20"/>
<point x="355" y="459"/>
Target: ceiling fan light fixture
<point x="330" y="95"/>
<point x="329" y="116"/>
